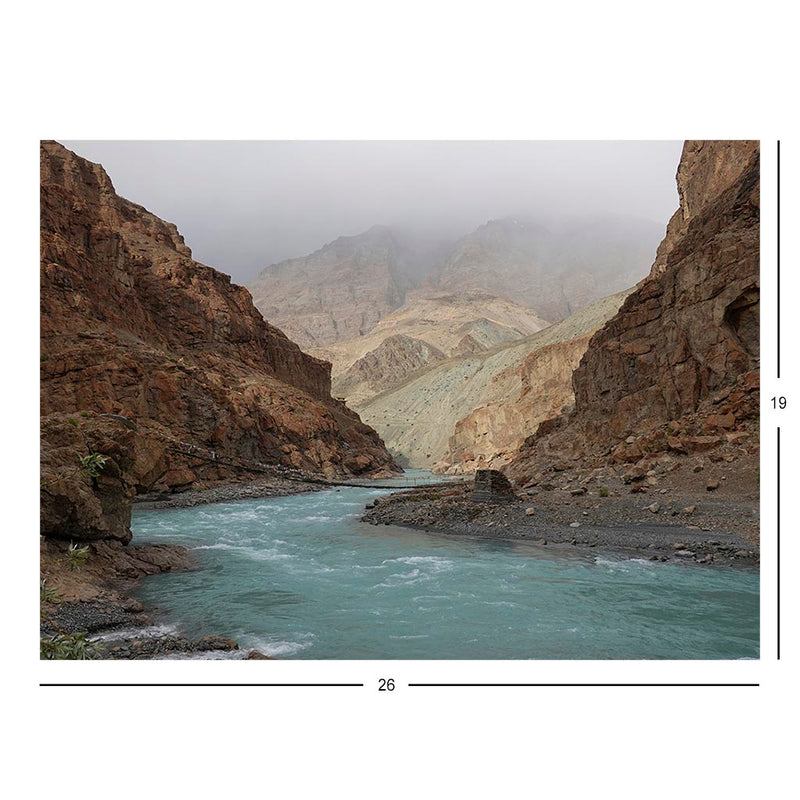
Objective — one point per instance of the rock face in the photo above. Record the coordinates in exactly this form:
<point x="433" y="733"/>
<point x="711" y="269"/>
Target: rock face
<point x="83" y="502"/>
<point x="342" y="290"/>
<point x="553" y="270"/>
<point x="422" y="417"/>
<point x="131" y="325"/>
<point x="685" y="343"/>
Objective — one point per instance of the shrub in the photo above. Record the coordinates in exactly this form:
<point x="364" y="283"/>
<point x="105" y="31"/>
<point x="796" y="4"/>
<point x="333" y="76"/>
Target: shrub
<point x="93" y="463"/>
<point x="75" y="646"/>
<point x="47" y="594"/>
<point x="603" y="491"/>
<point x="77" y="555"/>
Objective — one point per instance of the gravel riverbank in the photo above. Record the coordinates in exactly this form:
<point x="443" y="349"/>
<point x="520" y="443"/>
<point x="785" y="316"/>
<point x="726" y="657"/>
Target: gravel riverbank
<point x="678" y="529"/>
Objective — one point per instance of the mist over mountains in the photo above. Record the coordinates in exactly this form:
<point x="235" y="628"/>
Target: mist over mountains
<point x="554" y="266"/>
<point x="246" y="204"/>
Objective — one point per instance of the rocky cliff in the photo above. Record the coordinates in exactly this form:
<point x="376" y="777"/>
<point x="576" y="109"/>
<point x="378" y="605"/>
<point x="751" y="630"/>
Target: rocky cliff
<point x="132" y="326"/>
<point x="677" y="367"/>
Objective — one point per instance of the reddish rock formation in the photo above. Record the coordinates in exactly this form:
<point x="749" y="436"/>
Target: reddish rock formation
<point x="684" y="345"/>
<point x="131" y="325"/>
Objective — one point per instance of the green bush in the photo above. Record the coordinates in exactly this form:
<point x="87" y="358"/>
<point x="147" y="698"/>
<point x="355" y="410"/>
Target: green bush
<point x="77" y="555"/>
<point x="93" y="463"/>
<point x="47" y="594"/>
<point x="603" y="491"/>
<point x="74" y="646"/>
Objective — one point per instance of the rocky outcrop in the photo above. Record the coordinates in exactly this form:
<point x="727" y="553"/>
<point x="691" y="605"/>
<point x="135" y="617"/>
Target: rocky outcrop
<point x="132" y="326"/>
<point x="682" y="353"/>
<point x="389" y="364"/>
<point x="553" y="270"/>
<point x="91" y="467"/>
<point x="418" y="418"/>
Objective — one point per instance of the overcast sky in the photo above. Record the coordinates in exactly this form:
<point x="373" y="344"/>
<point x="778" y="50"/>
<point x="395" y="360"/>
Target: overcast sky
<point x="244" y="205"/>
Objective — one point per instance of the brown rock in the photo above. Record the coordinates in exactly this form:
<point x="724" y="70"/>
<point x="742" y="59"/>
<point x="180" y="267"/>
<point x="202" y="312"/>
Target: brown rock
<point x="711" y="485"/>
<point x="255" y="655"/>
<point x="633" y="473"/>
<point x="162" y="365"/>
<point x="699" y="444"/>
<point x="716" y="421"/>
<point x="133" y="328"/>
<point x="676" y="444"/>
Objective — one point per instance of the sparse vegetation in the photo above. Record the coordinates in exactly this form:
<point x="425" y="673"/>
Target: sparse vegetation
<point x="47" y="594"/>
<point x="72" y="646"/>
<point x="603" y="491"/>
<point x="93" y="463"/>
<point x="77" y="555"/>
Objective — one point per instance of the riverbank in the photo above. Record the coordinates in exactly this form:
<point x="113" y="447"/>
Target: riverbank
<point x="87" y="601"/>
<point x="672" y="527"/>
<point x="225" y="493"/>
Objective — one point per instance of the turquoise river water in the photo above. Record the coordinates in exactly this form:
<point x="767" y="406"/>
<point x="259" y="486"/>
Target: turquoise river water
<point x="302" y="577"/>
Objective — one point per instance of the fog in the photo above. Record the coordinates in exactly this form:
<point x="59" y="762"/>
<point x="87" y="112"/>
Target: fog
<point x="244" y="205"/>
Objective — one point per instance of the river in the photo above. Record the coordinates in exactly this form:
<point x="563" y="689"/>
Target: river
<point x="302" y="577"/>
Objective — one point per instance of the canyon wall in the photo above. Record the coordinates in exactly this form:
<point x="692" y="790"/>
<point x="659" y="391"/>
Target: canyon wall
<point x="680" y="359"/>
<point x="132" y="326"/>
<point x="342" y="290"/>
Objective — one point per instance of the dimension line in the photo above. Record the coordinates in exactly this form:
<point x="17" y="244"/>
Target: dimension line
<point x="779" y="540"/>
<point x="779" y="260"/>
<point x="219" y="685"/>
<point x="549" y="685"/>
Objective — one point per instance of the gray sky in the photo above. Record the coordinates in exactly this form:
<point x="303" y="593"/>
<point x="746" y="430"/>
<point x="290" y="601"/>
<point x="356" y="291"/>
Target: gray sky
<point x="244" y="205"/>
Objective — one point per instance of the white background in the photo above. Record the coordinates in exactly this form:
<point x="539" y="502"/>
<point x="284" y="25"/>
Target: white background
<point x="414" y="70"/>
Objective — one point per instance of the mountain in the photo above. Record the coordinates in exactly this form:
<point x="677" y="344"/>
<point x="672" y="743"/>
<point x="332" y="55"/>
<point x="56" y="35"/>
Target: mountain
<point x="677" y="367"/>
<point x="344" y="289"/>
<point x="145" y="351"/>
<point x="430" y="326"/>
<point x="554" y="269"/>
<point x="433" y="417"/>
